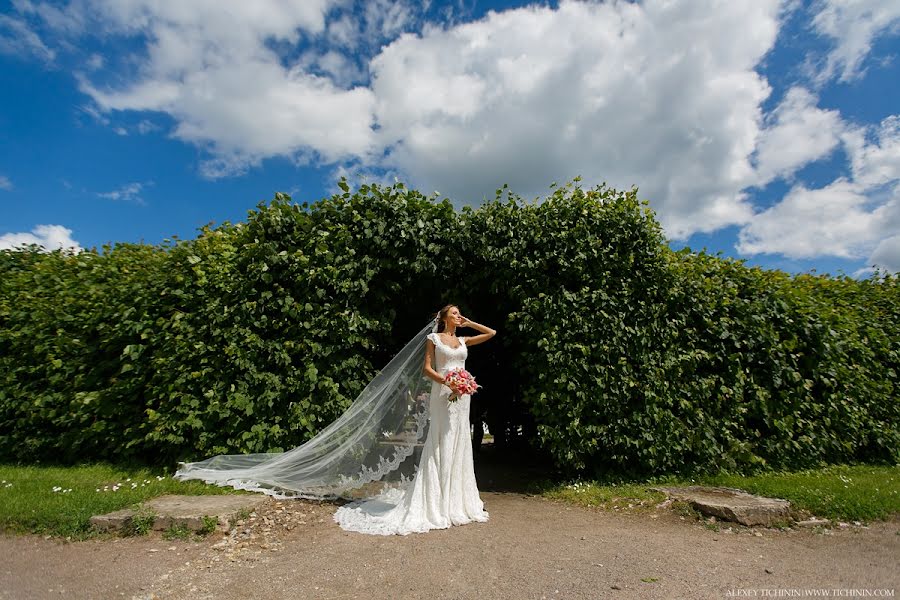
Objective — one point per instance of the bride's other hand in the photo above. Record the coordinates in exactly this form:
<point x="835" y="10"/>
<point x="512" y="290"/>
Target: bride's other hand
<point x="464" y="322"/>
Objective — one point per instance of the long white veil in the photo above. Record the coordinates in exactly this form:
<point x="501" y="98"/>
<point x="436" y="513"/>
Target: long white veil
<point x="373" y="447"/>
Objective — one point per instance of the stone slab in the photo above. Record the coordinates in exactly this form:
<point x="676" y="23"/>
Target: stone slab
<point x="731" y="504"/>
<point x="112" y="521"/>
<point x="188" y="511"/>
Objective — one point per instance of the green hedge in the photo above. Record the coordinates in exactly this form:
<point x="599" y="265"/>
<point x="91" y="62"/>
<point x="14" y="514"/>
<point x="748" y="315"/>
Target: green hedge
<point x="630" y="357"/>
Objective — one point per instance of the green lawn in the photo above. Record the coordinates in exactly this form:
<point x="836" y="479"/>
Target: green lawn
<point x="845" y="493"/>
<point x="61" y="500"/>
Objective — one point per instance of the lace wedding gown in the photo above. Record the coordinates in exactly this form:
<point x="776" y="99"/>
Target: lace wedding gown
<point x="443" y="491"/>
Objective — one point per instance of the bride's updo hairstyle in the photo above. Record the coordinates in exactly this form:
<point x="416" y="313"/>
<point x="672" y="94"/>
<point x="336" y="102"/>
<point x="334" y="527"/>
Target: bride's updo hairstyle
<point x="442" y="314"/>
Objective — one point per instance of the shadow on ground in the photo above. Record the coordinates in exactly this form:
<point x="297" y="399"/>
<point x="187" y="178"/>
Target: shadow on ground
<point x="515" y="469"/>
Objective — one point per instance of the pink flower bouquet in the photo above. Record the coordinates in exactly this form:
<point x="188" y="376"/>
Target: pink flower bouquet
<point x="463" y="380"/>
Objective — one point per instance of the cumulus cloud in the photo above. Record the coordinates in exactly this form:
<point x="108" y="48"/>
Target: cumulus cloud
<point x="852" y="217"/>
<point x="214" y="72"/>
<point x="887" y="254"/>
<point x="852" y="26"/>
<point x="797" y="133"/>
<point x="875" y="163"/>
<point x="5" y="183"/>
<point x="829" y="221"/>
<point x="50" y="237"/>
<point x="662" y="95"/>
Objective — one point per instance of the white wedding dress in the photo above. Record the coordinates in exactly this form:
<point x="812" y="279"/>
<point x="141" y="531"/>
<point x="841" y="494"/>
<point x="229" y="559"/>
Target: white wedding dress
<point x="443" y="491"/>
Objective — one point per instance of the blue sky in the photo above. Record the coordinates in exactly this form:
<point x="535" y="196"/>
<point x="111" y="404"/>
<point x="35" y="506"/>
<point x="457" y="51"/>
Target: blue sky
<point x="763" y="130"/>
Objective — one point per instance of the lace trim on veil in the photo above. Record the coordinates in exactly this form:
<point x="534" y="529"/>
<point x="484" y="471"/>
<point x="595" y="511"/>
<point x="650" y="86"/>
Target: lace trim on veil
<point x="403" y="450"/>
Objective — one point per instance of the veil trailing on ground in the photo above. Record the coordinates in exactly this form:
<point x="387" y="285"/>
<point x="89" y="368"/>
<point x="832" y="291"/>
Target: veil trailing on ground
<point x="373" y="448"/>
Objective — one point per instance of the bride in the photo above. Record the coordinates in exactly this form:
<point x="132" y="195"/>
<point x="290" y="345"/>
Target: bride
<point x="404" y="455"/>
<point x="444" y="492"/>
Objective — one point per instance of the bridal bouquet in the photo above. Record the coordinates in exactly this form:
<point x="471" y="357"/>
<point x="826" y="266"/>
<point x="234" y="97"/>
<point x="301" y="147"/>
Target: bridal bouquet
<point x="463" y="380"/>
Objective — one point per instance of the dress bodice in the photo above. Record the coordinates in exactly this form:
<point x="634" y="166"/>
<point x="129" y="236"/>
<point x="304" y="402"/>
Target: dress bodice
<point x="446" y="357"/>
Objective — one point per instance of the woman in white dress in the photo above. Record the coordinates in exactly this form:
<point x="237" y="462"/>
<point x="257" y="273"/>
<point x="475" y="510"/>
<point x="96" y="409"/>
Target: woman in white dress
<point x="444" y="491"/>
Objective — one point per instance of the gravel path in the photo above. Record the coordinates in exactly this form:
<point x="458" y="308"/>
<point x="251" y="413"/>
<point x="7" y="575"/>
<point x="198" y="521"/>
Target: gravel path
<point x="531" y="548"/>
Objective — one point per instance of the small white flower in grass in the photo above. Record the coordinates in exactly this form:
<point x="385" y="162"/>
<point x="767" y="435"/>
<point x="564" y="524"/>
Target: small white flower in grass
<point x="98" y="489"/>
<point x="129" y="479"/>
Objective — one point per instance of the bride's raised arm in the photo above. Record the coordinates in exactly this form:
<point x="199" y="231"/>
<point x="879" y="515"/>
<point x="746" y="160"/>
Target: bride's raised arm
<point x="486" y="332"/>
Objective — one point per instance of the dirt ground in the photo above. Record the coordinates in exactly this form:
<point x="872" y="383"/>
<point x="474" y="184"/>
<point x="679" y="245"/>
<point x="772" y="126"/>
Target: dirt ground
<point x="530" y="548"/>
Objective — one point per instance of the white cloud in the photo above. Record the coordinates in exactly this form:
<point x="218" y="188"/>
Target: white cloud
<point x="344" y="31"/>
<point x="374" y="22"/>
<point x="17" y="39"/>
<point x="5" y="183"/>
<point x="130" y="192"/>
<point x="660" y="94"/>
<point x="887" y="254"/>
<point x="875" y="163"/>
<point x="663" y="95"/>
<point x="50" y="237"/>
<point x="851" y="217"/>
<point x="212" y="71"/>
<point x="95" y="62"/>
<point x="853" y="25"/>
<point x="145" y="127"/>
<point x="70" y="19"/>
<point x="807" y="223"/>
<point x="797" y="134"/>
<point x="387" y="18"/>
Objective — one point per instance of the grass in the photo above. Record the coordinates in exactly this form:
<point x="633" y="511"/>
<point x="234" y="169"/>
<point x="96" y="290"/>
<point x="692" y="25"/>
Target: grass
<point x="242" y="514"/>
<point x="842" y="492"/>
<point x="176" y="532"/>
<point x="142" y="521"/>
<point x="610" y="496"/>
<point x="61" y="500"/>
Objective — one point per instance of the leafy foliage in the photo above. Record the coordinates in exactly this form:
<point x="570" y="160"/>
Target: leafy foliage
<point x="630" y="357"/>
